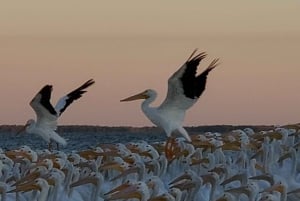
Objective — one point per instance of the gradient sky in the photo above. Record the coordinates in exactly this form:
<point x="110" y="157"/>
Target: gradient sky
<point x="129" y="46"/>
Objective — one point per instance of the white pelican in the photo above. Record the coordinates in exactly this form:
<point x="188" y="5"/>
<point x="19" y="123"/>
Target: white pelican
<point x="47" y="115"/>
<point x="184" y="89"/>
<point x="95" y="178"/>
<point x="38" y="184"/>
<point x="138" y="190"/>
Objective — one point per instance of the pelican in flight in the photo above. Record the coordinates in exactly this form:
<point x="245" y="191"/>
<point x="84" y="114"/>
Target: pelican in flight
<point x="184" y="89"/>
<point x="47" y="115"/>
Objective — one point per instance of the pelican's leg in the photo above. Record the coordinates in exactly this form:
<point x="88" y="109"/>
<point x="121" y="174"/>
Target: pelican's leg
<point x="50" y="145"/>
<point x="57" y="146"/>
<point x="169" y="148"/>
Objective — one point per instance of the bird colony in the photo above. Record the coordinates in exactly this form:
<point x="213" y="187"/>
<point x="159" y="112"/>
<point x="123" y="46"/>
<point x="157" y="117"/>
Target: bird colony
<point x="242" y="165"/>
<point x="239" y="165"/>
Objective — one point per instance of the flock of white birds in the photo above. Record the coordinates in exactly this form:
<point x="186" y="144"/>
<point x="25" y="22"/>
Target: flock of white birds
<point x="239" y="165"/>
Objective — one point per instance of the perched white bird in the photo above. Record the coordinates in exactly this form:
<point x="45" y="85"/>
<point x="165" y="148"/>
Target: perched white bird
<point x="184" y="89"/>
<point x="47" y="115"/>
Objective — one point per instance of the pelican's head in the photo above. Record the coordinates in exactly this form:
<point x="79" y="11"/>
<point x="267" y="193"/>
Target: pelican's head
<point x="137" y="190"/>
<point x="36" y="184"/>
<point x="144" y="95"/>
<point x="29" y="122"/>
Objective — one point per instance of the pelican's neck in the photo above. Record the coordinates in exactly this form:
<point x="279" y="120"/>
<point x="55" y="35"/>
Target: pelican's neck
<point x="97" y="188"/>
<point x="30" y="126"/>
<point x="158" y="186"/>
<point x="146" y="103"/>
<point x="163" y="165"/>
<point x="3" y="187"/>
<point x="294" y="163"/>
<point x="149" y="111"/>
<point x="283" y="195"/>
<point x="141" y="171"/>
<point x="44" y="192"/>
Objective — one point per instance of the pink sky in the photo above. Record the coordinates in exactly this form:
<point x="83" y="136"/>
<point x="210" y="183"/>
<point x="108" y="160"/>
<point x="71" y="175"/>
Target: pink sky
<point x="129" y="46"/>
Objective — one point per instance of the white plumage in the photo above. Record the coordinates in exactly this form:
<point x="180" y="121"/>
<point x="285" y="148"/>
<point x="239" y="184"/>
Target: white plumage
<point x="184" y="89"/>
<point x="47" y="115"/>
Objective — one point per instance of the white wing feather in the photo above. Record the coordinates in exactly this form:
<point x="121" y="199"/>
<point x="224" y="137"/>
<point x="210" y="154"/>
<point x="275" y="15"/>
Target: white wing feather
<point x="61" y="103"/>
<point x="44" y="118"/>
<point x="175" y="97"/>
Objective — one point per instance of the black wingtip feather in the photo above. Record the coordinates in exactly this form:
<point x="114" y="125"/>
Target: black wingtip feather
<point x="45" y="93"/>
<point x="76" y="94"/>
<point x="193" y="85"/>
<point x="200" y="80"/>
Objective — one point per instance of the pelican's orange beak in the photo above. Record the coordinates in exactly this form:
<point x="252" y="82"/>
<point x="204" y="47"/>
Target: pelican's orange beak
<point x="294" y="191"/>
<point x="127" y="193"/>
<point x="142" y="95"/>
<point x="26" y="187"/>
<point x="240" y="190"/>
<point x="264" y="177"/>
<point x="87" y="180"/>
<point x="276" y="187"/>
<point x="22" y="129"/>
<point x="180" y="178"/>
<point x="118" y="188"/>
<point x="15" y="154"/>
<point x="112" y="165"/>
<point x="284" y="156"/>
<point x="160" y="198"/>
<point x="51" y="181"/>
<point x="30" y="177"/>
<point x="126" y="172"/>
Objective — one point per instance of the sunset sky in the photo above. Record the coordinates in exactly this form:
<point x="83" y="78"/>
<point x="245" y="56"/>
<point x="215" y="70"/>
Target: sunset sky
<point x="129" y="46"/>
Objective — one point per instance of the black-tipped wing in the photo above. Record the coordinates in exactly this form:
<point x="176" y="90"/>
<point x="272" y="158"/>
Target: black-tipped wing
<point x="200" y="80"/>
<point x="189" y="84"/>
<point x="184" y="87"/>
<point x="46" y="114"/>
<point x="42" y="99"/>
<point x="65" y="101"/>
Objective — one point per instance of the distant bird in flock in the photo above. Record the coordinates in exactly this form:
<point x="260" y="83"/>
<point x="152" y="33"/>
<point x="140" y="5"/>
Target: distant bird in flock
<point x="47" y="115"/>
<point x="184" y="89"/>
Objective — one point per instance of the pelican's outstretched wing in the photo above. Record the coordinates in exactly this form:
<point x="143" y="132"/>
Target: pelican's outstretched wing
<point x="45" y="112"/>
<point x="184" y="87"/>
<point x="65" y="101"/>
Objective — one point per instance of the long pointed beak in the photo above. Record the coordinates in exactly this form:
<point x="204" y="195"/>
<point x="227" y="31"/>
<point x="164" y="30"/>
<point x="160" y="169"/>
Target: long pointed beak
<point x="91" y="154"/>
<point x="159" y="198"/>
<point x="146" y="154"/>
<point x="13" y="154"/>
<point x="26" y="187"/>
<point x="126" y="172"/>
<point x="276" y="187"/>
<point x="30" y="177"/>
<point x="180" y="178"/>
<point x="118" y="188"/>
<point x="264" y="177"/>
<point x="112" y="165"/>
<point x="51" y="181"/>
<point x="199" y="161"/>
<point x="222" y="199"/>
<point x="22" y="129"/>
<point x="240" y="190"/>
<point x="285" y="156"/>
<point x="294" y="191"/>
<point x="136" y="97"/>
<point x="87" y="180"/>
<point x="129" y="192"/>
<point x="209" y="178"/>
<point x="231" y="179"/>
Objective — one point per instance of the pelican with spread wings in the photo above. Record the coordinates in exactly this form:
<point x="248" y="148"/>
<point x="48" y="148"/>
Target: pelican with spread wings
<point x="47" y="115"/>
<point x="184" y="89"/>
